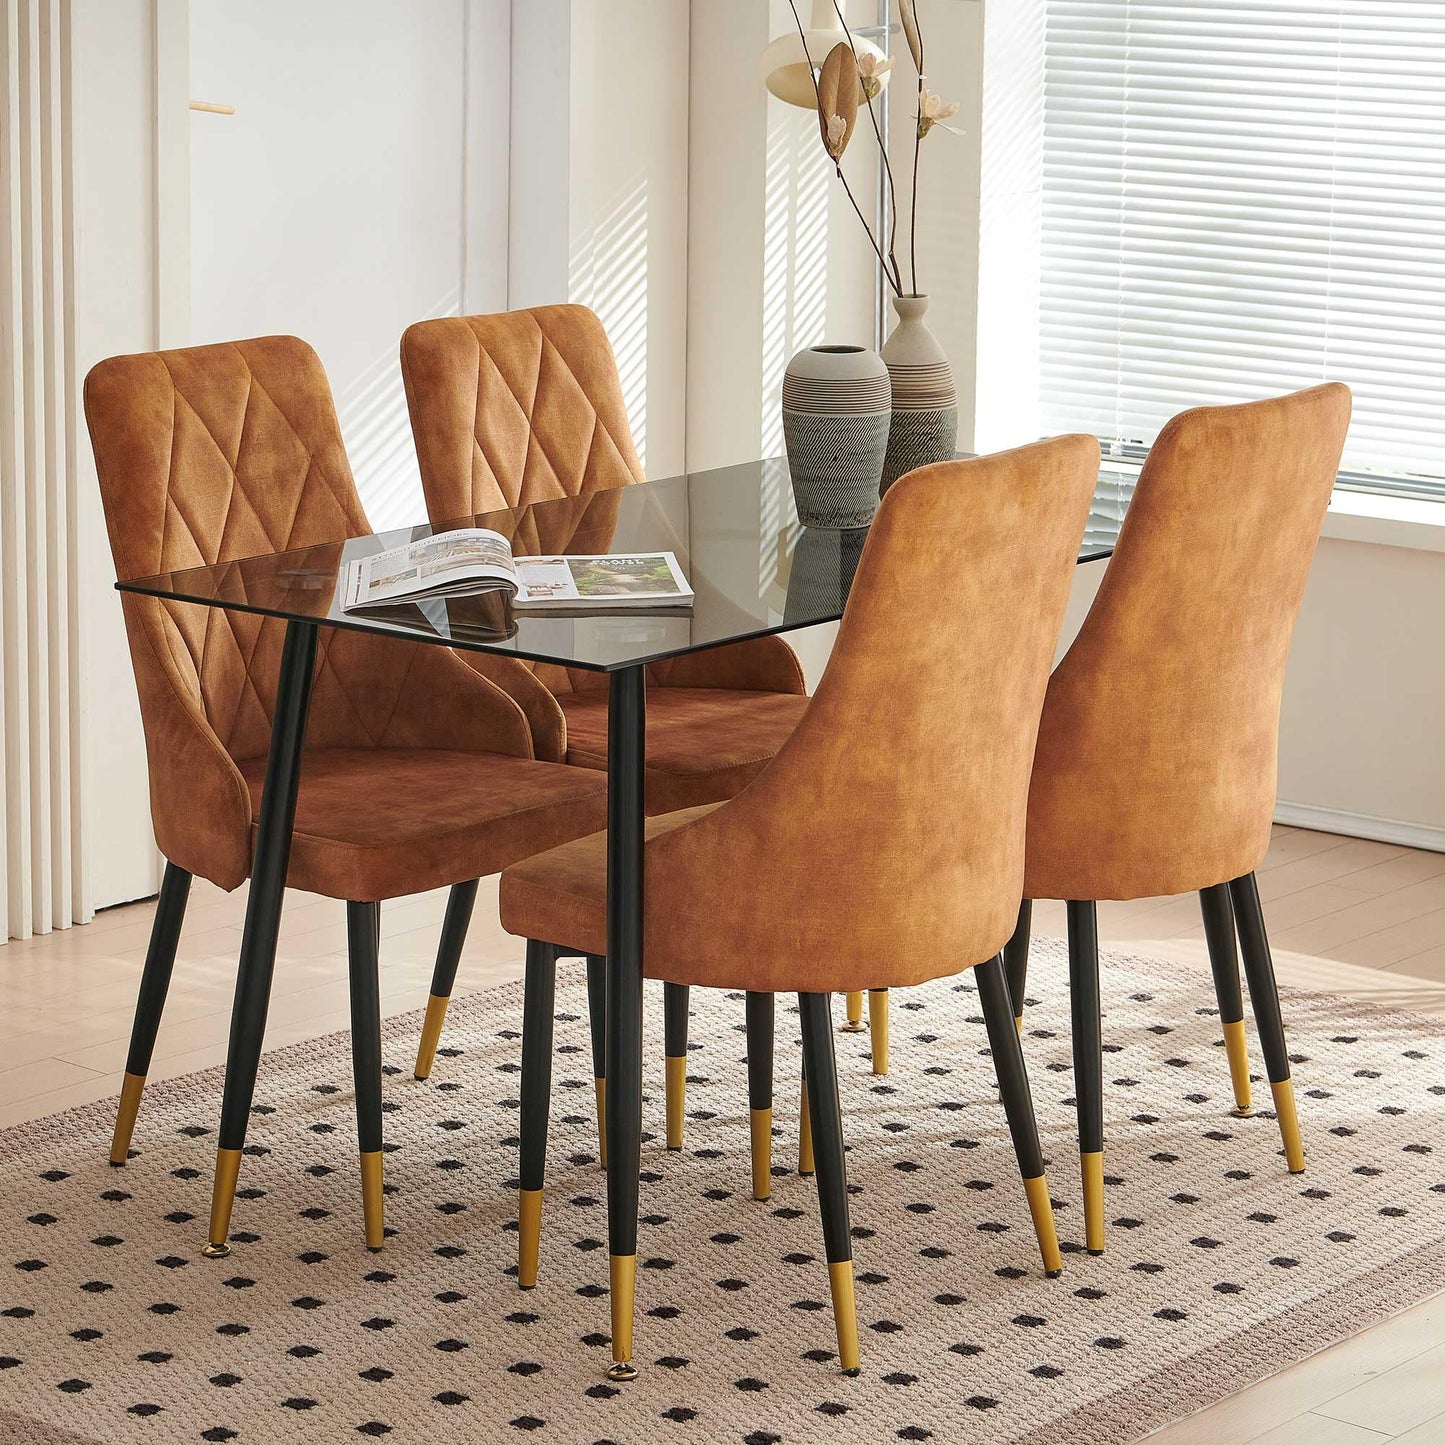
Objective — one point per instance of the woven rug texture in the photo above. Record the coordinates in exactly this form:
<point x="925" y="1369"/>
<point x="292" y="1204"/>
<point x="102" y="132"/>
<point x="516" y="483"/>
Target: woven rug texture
<point x="1221" y="1268"/>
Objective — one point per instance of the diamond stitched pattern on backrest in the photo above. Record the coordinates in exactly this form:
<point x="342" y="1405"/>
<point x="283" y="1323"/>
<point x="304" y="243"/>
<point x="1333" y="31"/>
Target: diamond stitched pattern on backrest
<point x="256" y="464"/>
<point x="550" y="419"/>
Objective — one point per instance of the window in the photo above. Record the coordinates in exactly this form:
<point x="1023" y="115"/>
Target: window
<point x="1241" y="198"/>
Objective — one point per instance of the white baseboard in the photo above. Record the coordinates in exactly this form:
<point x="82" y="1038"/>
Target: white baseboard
<point x="1360" y="825"/>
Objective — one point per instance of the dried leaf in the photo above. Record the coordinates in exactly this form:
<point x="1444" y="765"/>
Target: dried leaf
<point x="838" y="91"/>
<point x="908" y="14"/>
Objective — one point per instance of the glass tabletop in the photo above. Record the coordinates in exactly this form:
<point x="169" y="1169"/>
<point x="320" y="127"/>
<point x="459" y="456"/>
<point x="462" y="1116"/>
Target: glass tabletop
<point x="754" y="569"/>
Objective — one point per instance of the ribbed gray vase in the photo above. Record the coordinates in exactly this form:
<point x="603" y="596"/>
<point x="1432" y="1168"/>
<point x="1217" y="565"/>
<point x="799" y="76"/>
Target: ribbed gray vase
<point x="837" y="405"/>
<point x="925" y="399"/>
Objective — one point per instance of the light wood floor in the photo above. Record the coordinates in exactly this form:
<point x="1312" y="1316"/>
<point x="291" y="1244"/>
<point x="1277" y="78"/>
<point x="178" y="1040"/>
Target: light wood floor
<point x="1357" y="918"/>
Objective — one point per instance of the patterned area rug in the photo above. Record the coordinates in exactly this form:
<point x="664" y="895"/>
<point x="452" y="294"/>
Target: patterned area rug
<point x="1221" y="1267"/>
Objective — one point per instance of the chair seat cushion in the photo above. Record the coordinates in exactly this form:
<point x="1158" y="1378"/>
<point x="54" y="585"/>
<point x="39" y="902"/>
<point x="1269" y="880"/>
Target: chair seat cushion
<point x="561" y="896"/>
<point x="704" y="744"/>
<point x="377" y="823"/>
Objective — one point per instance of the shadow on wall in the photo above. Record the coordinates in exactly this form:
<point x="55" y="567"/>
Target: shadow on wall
<point x="795" y="293"/>
<point x="376" y="429"/>
<point x="607" y="271"/>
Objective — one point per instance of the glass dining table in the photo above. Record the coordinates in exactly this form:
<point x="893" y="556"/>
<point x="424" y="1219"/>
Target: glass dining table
<point x="754" y="571"/>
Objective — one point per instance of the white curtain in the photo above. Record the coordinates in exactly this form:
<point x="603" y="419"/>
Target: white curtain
<point x="39" y="410"/>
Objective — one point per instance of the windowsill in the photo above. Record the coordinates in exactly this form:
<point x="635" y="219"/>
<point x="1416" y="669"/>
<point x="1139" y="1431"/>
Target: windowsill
<point x="1386" y="521"/>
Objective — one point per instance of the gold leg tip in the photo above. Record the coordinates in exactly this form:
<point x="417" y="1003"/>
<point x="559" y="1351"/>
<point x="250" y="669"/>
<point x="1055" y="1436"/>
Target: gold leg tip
<point x="855" y="1026"/>
<point x="676" y="1100"/>
<point x="529" y="1236"/>
<point x="215" y="1251"/>
<point x="622" y="1372"/>
<point x="132" y="1086"/>
<point x="373" y="1207"/>
<point x="1242" y="1111"/>
<point x="431" y="1034"/>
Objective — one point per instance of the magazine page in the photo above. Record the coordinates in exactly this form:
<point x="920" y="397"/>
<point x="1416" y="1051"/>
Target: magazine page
<point x="469" y="559"/>
<point x="642" y="579"/>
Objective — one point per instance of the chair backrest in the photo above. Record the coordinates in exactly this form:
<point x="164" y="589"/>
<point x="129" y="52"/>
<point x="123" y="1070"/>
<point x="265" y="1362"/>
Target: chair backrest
<point x="205" y="455"/>
<point x="511" y="409"/>
<point x="885" y="843"/>
<point x="515" y="408"/>
<point x="1156" y="760"/>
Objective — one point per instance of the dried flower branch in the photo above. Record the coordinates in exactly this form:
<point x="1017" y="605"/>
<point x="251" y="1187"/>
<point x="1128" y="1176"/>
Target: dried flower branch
<point x="913" y="32"/>
<point x="838" y="91"/>
<point x="836" y="118"/>
<point x="909" y="16"/>
<point x="870" y="73"/>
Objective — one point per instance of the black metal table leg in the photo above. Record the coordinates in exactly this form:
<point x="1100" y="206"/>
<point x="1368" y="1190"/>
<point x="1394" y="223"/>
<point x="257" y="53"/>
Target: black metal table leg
<point x="626" y="765"/>
<point x="263" y="920"/>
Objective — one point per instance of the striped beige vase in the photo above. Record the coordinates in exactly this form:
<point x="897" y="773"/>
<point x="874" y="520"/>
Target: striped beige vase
<point x="925" y="399"/>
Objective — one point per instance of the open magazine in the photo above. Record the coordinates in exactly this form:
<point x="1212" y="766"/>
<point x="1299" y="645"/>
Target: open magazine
<point x="473" y="560"/>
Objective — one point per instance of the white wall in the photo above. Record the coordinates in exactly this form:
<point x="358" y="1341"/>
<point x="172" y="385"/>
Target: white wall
<point x="1360" y="740"/>
<point x="130" y="173"/>
<point x="354" y="191"/>
<point x="628" y="206"/>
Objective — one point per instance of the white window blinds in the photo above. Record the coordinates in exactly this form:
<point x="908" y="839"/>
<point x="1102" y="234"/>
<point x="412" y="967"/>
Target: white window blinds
<point x="1244" y="197"/>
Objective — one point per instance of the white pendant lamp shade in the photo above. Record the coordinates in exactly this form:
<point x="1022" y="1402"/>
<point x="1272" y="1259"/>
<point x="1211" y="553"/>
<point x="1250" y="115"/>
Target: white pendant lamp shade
<point x="784" y="64"/>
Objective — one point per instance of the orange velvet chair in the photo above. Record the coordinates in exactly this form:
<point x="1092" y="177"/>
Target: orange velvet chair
<point x="926" y="732"/>
<point x="527" y="406"/>
<point x="1155" y="769"/>
<point x="418" y="773"/>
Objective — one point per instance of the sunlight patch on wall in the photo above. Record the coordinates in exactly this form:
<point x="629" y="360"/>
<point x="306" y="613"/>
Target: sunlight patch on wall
<point x="608" y="272"/>
<point x="376" y="429"/>
<point x="795" y="288"/>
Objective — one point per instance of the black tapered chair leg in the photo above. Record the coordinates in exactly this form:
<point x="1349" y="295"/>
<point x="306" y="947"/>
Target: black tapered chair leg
<point x="1016" y="959"/>
<point x="361" y="946"/>
<point x="1013" y="1085"/>
<point x="458" y="919"/>
<point x="597" y="1024"/>
<point x="759" y="1013"/>
<point x="538" y="1008"/>
<point x="1088" y="1063"/>
<point x="821" y="1069"/>
<point x="155" y="980"/>
<point x="675" y="1002"/>
<point x="878" y="1028"/>
<point x="1264" y="996"/>
<point x="807" y="1165"/>
<point x="1218" y="913"/>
